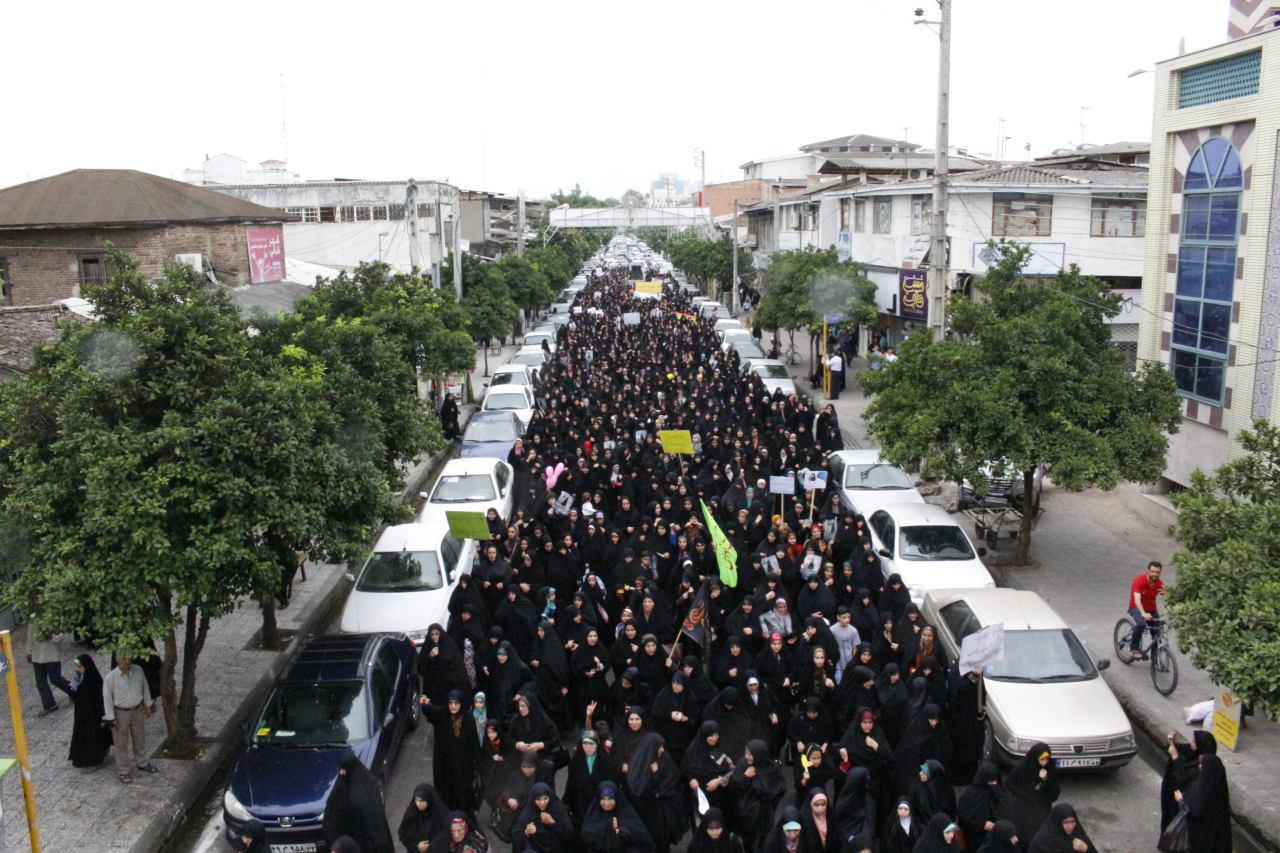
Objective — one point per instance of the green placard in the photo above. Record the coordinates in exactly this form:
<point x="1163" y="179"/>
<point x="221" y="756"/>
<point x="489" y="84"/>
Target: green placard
<point x="468" y="525"/>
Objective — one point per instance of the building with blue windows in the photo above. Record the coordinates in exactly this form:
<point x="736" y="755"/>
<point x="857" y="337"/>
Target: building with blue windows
<point x="1211" y="274"/>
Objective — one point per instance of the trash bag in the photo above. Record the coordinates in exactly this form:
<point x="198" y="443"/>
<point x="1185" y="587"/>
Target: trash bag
<point x="1176" y="837"/>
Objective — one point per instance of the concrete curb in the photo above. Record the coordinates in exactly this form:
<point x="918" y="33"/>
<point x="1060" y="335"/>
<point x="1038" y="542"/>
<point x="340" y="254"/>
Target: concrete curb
<point x="202" y="774"/>
<point x="1257" y="820"/>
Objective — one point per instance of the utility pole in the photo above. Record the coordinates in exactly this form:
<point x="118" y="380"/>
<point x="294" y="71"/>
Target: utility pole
<point x="411" y="217"/>
<point x="938" y="251"/>
<point x="733" y="294"/>
<point x="457" y="244"/>
<point x="437" y="242"/>
<point x="520" y="223"/>
<point x="702" y="161"/>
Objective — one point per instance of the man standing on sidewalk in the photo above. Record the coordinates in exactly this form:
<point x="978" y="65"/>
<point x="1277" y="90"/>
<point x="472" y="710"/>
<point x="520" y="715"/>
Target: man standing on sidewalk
<point x="126" y="703"/>
<point x="836" y="363"/>
<point x="1143" y="605"/>
<point x="46" y="660"/>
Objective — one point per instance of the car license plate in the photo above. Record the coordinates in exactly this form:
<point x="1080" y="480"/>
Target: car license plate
<point x="1079" y="762"/>
<point x="309" y="847"/>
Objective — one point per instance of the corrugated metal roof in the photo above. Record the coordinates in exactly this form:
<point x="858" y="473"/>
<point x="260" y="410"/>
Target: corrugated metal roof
<point x="896" y="161"/>
<point x="1018" y="175"/>
<point x="860" y="139"/>
<point x="84" y="198"/>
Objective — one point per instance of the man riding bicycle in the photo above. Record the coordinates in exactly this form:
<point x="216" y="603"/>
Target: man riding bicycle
<point x="1142" y="604"/>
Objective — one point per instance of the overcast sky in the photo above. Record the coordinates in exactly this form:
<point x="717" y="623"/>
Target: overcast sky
<point x="536" y="96"/>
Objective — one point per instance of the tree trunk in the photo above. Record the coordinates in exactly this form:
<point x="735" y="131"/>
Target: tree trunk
<point x="1023" y="553"/>
<point x="169" y="689"/>
<point x="270" y="631"/>
<point x="197" y="630"/>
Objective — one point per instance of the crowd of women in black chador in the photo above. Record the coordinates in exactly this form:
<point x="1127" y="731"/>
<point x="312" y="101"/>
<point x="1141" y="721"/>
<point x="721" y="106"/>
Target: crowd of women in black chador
<point x="564" y="647"/>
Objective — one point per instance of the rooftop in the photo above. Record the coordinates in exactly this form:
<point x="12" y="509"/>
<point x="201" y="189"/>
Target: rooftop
<point x="858" y="140"/>
<point x="115" y="198"/>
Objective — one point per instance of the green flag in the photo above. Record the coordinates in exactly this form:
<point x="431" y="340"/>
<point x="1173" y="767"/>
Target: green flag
<point x="726" y="556"/>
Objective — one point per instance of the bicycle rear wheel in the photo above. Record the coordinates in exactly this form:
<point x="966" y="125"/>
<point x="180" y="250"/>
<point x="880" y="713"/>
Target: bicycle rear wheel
<point x="1121" y="637"/>
<point x="1164" y="668"/>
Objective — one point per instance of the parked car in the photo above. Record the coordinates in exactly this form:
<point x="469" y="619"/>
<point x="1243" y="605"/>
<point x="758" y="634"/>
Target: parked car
<point x="1003" y="487"/>
<point x="489" y="434"/>
<point x="748" y="350"/>
<point x="406" y="583"/>
<point x="1045" y="689"/>
<point x="927" y="548"/>
<point x="535" y="338"/>
<point x="724" y="324"/>
<point x="338" y="692"/>
<point x="713" y="310"/>
<point x="772" y="373"/>
<point x="517" y="399"/>
<point x="513" y="374"/>
<point x="729" y="337"/>
<point x="530" y="357"/>
<point x="868" y="483"/>
<point x="473" y="484"/>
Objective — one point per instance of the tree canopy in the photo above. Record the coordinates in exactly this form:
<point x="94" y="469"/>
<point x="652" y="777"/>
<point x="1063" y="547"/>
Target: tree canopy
<point x="491" y="312"/>
<point x="706" y="259"/>
<point x="1225" y="605"/>
<point x="803" y="285"/>
<point x="577" y="198"/>
<point x="1031" y="380"/>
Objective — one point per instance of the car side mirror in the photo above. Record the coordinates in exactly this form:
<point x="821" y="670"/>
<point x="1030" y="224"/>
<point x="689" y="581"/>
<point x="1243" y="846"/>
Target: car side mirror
<point x="982" y="552"/>
<point x="1105" y="663"/>
<point x="884" y="552"/>
<point x="423" y="495"/>
<point x="349" y="577"/>
<point x="388" y="720"/>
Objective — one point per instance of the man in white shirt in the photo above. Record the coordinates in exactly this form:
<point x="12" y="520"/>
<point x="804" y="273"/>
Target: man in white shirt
<point x="126" y="704"/>
<point x="836" y="363"/>
<point x="46" y="659"/>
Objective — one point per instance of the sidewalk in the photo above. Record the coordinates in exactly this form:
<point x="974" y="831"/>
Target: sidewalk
<point x="1085" y="551"/>
<point x="75" y="806"/>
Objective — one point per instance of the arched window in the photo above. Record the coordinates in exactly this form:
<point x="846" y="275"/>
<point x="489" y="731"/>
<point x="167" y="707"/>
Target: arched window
<point x="1206" y="271"/>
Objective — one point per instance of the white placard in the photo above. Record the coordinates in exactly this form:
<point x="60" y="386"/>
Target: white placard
<point x="782" y="485"/>
<point x="631" y="318"/>
<point x="982" y="648"/>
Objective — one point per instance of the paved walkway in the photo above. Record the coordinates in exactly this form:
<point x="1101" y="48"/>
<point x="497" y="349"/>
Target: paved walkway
<point x="72" y="804"/>
<point x="1086" y="550"/>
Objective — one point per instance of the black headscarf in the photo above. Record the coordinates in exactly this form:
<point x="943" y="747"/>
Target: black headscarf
<point x="90" y="740"/>
<point x="1051" y="838"/>
<point x="934" y="840"/>
<point x="627" y="835"/>
<point x="355" y="808"/>
<point x="419" y="825"/>
<point x="855" y="811"/>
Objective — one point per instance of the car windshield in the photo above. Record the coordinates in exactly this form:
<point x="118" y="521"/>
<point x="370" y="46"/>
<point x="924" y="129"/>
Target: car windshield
<point x="462" y="488"/>
<point x="490" y="430"/>
<point x="749" y="350"/>
<point x="533" y="358"/>
<point x="403" y="571"/>
<point x="505" y="402"/>
<point x="514" y="377"/>
<point x="877" y="476"/>
<point x="300" y="713"/>
<point x="772" y="371"/>
<point x="1055" y="655"/>
<point x="935" y="542"/>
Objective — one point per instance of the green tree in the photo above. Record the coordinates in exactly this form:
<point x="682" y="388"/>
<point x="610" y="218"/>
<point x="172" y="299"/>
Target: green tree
<point x="1225" y="605"/>
<point x="787" y="301"/>
<point x="491" y="313"/>
<point x="577" y="198"/>
<point x="1034" y="381"/>
<point x="140" y="454"/>
<point x="554" y="264"/>
<point x="529" y="287"/>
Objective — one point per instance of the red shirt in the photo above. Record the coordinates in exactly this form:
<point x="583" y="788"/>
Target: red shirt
<point x="1147" y="590"/>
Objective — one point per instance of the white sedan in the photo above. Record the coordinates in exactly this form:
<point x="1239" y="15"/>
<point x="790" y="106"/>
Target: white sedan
<point x="927" y="548"/>
<point x="471" y="484"/>
<point x="510" y="398"/>
<point x="868" y="483"/>
<point x="773" y="373"/>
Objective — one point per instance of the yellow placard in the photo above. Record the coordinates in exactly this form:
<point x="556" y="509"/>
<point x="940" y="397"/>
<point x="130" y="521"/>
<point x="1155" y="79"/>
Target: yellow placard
<point x="676" y="441"/>
<point x="1227" y="711"/>
<point x="652" y="288"/>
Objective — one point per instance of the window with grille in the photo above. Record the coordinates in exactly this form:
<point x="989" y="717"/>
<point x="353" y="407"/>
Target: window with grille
<point x="6" y="287"/>
<point x="859" y="215"/>
<point x="1206" y="271"/>
<point x="921" y="214"/>
<point x="844" y="214"/>
<point x="1220" y="80"/>
<point x="1118" y="216"/>
<point x="426" y="211"/>
<point x="93" y="268"/>
<point x="346" y="213"/>
<point x="883" y="215"/>
<point x="1021" y="215"/>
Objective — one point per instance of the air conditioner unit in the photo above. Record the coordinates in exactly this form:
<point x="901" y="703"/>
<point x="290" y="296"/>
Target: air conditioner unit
<point x="195" y="260"/>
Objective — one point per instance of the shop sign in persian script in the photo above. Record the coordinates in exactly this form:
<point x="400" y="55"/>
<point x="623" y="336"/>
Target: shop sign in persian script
<point x="913" y="295"/>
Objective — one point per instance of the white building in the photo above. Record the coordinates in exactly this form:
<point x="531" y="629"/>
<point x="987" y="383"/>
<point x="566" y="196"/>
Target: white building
<point x="670" y="190"/>
<point x="1088" y="213"/>
<point x="344" y="223"/>
<point x="230" y="169"/>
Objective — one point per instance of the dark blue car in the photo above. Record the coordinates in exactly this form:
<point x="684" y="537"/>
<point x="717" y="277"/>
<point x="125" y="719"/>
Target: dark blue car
<point x="490" y="434"/>
<point x="339" y="692"/>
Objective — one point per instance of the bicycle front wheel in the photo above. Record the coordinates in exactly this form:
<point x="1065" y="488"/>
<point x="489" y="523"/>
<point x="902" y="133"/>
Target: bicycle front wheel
<point x="1122" y="636"/>
<point x="1164" y="669"/>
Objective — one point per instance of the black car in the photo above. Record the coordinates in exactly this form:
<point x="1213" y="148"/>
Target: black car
<point x="338" y="692"/>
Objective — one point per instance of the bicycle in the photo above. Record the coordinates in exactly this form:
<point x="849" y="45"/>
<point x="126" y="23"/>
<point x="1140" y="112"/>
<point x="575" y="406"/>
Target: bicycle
<point x="793" y="354"/>
<point x="1156" y="648"/>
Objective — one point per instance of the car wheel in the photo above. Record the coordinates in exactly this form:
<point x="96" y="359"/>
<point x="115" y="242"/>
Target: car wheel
<point x="415" y="711"/>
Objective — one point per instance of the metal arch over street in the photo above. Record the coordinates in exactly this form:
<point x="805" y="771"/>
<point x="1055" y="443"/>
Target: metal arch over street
<point x="631" y="217"/>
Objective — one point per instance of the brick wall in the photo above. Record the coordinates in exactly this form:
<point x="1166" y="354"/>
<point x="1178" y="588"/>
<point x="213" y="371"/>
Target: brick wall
<point x="720" y="197"/>
<point x="44" y="265"/>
